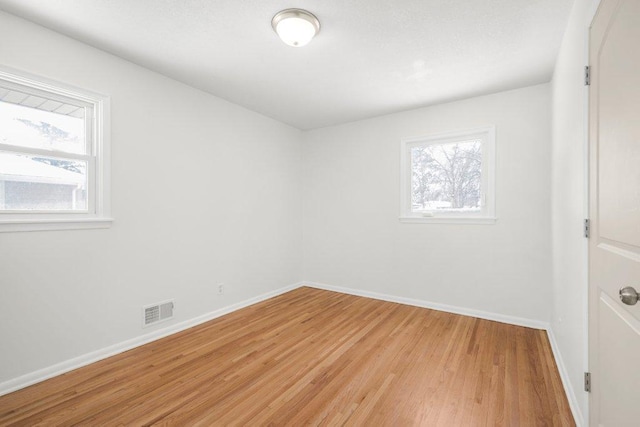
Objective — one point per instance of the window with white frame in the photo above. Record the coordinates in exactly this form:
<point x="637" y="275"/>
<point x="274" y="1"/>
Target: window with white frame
<point x="53" y="155"/>
<point x="449" y="177"/>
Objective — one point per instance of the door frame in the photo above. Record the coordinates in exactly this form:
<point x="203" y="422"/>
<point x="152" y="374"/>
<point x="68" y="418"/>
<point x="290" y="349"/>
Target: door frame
<point x="593" y="9"/>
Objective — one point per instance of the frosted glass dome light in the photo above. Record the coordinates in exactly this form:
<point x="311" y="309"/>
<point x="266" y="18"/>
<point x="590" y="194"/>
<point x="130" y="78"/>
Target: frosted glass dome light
<point x="295" y="27"/>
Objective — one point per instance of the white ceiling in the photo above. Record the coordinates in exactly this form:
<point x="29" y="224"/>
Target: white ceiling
<point x="371" y="57"/>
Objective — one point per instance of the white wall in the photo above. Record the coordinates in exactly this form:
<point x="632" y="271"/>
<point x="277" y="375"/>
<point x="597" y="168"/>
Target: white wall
<point x="569" y="200"/>
<point x="352" y="236"/>
<point x="203" y="191"/>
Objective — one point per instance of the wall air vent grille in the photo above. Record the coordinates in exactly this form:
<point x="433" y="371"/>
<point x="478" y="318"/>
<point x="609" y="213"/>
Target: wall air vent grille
<point x="157" y="313"/>
<point x="151" y="314"/>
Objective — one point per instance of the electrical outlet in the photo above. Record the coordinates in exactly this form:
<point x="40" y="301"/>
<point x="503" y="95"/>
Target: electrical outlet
<point x="220" y="288"/>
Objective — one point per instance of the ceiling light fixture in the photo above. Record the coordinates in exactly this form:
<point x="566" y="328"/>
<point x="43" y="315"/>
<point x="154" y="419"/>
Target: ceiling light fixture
<point x="296" y="27"/>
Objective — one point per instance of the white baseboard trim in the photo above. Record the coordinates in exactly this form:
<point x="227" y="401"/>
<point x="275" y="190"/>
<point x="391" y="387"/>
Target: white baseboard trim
<point x="513" y="320"/>
<point x="94" y="356"/>
<point x="566" y="383"/>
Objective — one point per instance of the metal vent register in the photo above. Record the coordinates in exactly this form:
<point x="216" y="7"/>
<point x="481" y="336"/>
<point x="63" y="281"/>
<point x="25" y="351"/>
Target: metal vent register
<point x="157" y="313"/>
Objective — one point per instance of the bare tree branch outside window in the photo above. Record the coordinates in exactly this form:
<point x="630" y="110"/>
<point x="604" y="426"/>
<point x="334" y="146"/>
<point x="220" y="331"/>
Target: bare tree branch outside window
<point x="447" y="176"/>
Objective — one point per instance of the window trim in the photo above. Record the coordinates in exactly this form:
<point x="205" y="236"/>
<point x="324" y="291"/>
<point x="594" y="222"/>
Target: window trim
<point x="487" y="215"/>
<point x="98" y="214"/>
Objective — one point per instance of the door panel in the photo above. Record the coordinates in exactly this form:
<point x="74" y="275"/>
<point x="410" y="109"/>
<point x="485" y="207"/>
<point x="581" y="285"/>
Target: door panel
<point x="619" y="103"/>
<point x="619" y="335"/>
<point x="614" y="181"/>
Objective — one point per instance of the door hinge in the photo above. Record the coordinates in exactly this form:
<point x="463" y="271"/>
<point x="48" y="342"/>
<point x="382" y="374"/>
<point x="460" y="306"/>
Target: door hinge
<point x="587" y="228"/>
<point x="587" y="75"/>
<point x="587" y="382"/>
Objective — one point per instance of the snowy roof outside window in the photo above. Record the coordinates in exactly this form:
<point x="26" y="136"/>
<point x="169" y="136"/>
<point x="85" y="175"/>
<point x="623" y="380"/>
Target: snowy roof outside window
<point x="25" y="169"/>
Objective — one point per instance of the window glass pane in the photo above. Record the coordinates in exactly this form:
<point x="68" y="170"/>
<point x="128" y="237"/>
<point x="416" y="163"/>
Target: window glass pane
<point x="30" y="183"/>
<point x="447" y="177"/>
<point x="35" y="122"/>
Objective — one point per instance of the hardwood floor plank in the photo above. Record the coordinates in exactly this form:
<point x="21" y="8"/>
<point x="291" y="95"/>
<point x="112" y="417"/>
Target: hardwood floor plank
<point x="312" y="357"/>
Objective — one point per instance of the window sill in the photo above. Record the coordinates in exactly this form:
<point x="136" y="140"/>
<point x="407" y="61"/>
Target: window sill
<point x="447" y="220"/>
<point x="14" y="225"/>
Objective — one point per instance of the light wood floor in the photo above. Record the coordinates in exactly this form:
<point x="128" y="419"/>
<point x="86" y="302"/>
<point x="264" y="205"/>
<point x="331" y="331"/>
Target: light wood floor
<point x="314" y="357"/>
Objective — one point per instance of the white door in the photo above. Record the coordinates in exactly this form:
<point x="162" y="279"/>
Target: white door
<point x="614" y="247"/>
